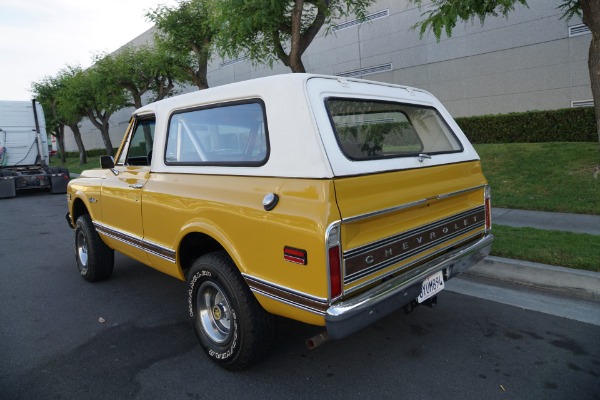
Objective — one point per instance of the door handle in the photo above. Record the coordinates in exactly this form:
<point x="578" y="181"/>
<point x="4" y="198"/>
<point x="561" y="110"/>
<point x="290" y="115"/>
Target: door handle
<point x="136" y="186"/>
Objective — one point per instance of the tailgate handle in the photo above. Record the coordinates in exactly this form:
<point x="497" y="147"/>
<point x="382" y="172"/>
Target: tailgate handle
<point x="136" y="186"/>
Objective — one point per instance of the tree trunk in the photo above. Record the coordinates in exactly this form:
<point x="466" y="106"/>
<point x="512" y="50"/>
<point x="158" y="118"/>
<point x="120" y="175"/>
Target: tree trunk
<point x="591" y="17"/>
<point x="296" y="65"/>
<point x="299" y="41"/>
<point x="137" y="100"/>
<point x="101" y="122"/>
<point x="295" y="56"/>
<point x="164" y="87"/>
<point x="202" y="56"/>
<point x="79" y="142"/>
<point x="106" y="137"/>
<point x="60" y="141"/>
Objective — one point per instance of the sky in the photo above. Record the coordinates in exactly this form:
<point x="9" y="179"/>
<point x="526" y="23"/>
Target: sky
<point x="40" y="37"/>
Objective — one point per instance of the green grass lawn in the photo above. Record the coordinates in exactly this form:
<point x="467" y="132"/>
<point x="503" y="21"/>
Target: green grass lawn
<point x="556" y="177"/>
<point x="565" y="249"/>
<point x="73" y="164"/>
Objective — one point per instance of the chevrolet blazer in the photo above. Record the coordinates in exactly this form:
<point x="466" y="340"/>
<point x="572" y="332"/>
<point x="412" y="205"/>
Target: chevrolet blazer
<point x="326" y="200"/>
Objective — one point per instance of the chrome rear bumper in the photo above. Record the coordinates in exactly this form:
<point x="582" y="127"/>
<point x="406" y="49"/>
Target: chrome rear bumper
<point x="349" y="316"/>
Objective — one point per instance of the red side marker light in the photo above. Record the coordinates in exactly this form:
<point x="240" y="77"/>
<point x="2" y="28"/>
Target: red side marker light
<point x="297" y="256"/>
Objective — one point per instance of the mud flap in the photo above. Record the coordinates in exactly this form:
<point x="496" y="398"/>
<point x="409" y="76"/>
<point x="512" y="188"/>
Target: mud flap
<point x="7" y="188"/>
<point x="58" y="183"/>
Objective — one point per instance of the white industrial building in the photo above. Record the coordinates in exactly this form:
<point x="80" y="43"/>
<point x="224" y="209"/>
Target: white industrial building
<point x="532" y="60"/>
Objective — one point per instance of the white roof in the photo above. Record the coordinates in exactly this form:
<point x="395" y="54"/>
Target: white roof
<point x="301" y="137"/>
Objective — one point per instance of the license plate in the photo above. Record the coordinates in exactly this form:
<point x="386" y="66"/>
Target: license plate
<point x="431" y="286"/>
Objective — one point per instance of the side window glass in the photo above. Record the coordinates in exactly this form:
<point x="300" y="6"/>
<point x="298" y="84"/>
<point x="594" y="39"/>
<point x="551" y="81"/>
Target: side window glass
<point x="232" y="134"/>
<point x="138" y="149"/>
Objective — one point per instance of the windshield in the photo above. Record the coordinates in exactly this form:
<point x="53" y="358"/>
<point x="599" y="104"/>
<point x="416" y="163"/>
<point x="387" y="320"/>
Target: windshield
<point x="367" y="129"/>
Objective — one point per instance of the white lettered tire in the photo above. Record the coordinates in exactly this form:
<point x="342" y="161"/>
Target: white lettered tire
<point x="95" y="259"/>
<point x="231" y="326"/>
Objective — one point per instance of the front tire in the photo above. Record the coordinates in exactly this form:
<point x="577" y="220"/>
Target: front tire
<point x="231" y="326"/>
<point x="95" y="259"/>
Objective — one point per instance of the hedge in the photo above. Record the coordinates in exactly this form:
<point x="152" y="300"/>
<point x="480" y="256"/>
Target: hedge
<point x="564" y="125"/>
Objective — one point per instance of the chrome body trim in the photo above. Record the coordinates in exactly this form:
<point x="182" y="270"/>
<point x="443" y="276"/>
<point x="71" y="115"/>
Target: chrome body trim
<point x="470" y="220"/>
<point x="286" y="295"/>
<point x="409" y="205"/>
<point x="330" y="228"/>
<point x="348" y="316"/>
<point x="411" y="264"/>
<point x="137" y="242"/>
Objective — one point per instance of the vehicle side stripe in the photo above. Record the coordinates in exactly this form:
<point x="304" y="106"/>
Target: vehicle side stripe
<point x="287" y="296"/>
<point x="137" y="242"/>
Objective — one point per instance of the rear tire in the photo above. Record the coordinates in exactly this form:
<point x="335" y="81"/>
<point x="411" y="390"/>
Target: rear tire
<point x="231" y="326"/>
<point x="65" y="171"/>
<point x="95" y="259"/>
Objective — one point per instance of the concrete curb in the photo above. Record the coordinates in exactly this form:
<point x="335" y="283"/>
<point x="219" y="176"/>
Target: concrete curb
<point x="577" y="223"/>
<point x="572" y="282"/>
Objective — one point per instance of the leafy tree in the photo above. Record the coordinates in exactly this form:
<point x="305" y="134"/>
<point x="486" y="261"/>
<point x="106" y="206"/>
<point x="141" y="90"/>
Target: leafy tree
<point x="58" y="113"/>
<point x="70" y="116"/>
<point x="140" y="70"/>
<point x="444" y="15"/>
<point x="185" y="33"/>
<point x="265" y="31"/>
<point x="98" y="96"/>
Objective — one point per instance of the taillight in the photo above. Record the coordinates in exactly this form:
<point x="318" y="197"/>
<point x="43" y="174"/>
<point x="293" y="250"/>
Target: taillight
<point x="488" y="208"/>
<point x="334" y="261"/>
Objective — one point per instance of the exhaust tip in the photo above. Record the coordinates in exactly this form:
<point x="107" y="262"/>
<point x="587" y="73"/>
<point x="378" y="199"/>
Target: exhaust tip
<point x="317" y="340"/>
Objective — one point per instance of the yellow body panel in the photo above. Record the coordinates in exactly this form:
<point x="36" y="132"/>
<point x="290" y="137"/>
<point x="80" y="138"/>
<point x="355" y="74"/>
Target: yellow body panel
<point x="86" y="188"/>
<point x="278" y="308"/>
<point x="371" y="193"/>
<point x="412" y="199"/>
<point x="168" y="207"/>
<point x="229" y="209"/>
<point x="122" y="206"/>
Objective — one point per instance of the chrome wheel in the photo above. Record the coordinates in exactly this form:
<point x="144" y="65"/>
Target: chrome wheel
<point x="231" y="326"/>
<point x="82" y="251"/>
<point x="214" y="312"/>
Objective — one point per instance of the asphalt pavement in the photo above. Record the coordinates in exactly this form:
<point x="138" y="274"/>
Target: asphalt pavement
<point x="568" y="281"/>
<point x="62" y="337"/>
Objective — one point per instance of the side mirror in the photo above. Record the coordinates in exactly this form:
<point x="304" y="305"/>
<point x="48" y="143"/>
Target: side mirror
<point x="107" y="162"/>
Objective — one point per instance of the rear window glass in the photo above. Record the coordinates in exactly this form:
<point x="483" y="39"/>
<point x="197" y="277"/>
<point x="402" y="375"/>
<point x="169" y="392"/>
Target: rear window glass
<point x="367" y="130"/>
<point x="228" y="134"/>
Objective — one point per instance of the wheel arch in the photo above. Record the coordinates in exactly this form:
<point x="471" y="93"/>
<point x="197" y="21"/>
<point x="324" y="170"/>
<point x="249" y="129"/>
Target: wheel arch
<point x="79" y="209"/>
<point x="196" y="244"/>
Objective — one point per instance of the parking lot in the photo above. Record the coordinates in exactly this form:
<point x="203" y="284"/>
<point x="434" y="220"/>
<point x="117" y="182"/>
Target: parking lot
<point x="62" y="337"/>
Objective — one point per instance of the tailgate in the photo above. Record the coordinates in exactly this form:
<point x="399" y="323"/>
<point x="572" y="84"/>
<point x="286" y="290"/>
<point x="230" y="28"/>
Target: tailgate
<point x="395" y="221"/>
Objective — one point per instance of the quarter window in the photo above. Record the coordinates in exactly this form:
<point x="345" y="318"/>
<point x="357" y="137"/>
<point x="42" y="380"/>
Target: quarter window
<point x="233" y="134"/>
<point x="367" y="130"/>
